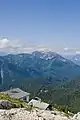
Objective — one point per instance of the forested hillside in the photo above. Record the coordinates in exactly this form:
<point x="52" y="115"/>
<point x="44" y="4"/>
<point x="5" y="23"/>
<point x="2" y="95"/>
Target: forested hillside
<point x="49" y="66"/>
<point x="44" y="74"/>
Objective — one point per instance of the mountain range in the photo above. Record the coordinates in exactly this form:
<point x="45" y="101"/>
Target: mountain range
<point x="48" y="75"/>
<point x="74" y="58"/>
<point x="48" y="67"/>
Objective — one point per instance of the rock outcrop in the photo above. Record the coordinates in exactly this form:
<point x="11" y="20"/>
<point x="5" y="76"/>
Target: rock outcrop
<point x="76" y="116"/>
<point x="36" y="114"/>
<point x="5" y="104"/>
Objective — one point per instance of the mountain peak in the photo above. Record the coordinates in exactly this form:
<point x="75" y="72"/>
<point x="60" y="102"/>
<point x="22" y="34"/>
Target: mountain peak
<point x="45" y="55"/>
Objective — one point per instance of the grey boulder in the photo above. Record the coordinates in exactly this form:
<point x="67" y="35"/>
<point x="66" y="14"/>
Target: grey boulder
<point x="5" y="104"/>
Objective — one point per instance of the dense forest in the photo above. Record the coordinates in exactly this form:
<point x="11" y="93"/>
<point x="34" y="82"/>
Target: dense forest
<point x="64" y="95"/>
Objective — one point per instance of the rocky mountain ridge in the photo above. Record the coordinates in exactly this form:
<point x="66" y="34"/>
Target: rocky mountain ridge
<point x="35" y="114"/>
<point x="74" y="58"/>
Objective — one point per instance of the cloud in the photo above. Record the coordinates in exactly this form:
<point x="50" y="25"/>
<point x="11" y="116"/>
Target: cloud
<point x="16" y="46"/>
<point x="72" y="50"/>
<point x="3" y="43"/>
<point x="66" y="49"/>
<point x="77" y="52"/>
<point x="10" y="46"/>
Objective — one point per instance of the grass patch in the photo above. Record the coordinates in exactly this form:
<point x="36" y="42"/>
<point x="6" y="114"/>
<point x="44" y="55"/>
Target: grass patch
<point x="18" y="103"/>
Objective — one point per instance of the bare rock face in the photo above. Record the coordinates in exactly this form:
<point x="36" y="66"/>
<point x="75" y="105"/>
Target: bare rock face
<point x="5" y="104"/>
<point x="23" y="114"/>
<point x="35" y="114"/>
<point x="76" y="116"/>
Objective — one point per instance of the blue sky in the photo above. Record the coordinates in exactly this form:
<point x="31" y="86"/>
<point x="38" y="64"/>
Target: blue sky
<point x="40" y="24"/>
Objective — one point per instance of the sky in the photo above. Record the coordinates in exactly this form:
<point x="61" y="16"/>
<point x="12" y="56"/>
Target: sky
<point x="28" y="25"/>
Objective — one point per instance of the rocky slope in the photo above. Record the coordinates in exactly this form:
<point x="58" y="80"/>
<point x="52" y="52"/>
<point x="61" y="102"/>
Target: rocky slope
<point x="22" y="114"/>
<point x="36" y="114"/>
<point x="8" y="111"/>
